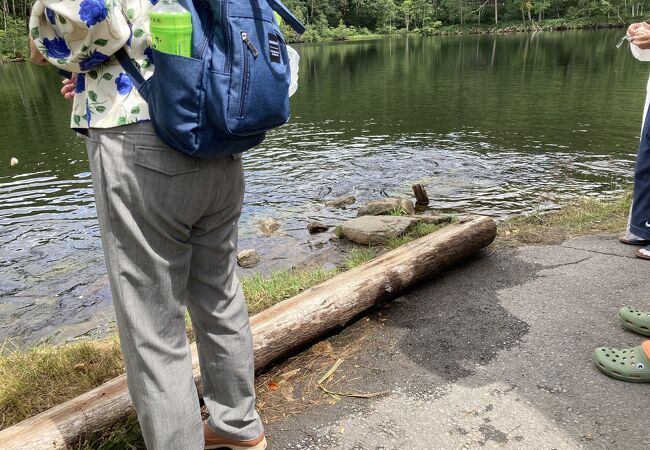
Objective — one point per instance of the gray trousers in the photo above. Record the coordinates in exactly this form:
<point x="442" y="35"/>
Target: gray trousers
<point x="169" y="231"/>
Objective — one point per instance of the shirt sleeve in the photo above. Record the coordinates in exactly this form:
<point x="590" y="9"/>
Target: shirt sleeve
<point x="641" y="55"/>
<point x="78" y="35"/>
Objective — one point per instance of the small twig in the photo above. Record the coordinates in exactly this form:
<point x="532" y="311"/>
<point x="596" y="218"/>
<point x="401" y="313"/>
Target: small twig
<point x="311" y="436"/>
<point x="338" y="395"/>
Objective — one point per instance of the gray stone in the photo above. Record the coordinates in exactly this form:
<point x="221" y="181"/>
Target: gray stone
<point x="269" y="226"/>
<point x="373" y="230"/>
<point x="248" y="258"/>
<point x="385" y="206"/>
<point x="317" y="227"/>
<point x="341" y="202"/>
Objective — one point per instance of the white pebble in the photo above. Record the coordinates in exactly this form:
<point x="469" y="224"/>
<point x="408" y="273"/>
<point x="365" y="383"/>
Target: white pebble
<point x="14" y="161"/>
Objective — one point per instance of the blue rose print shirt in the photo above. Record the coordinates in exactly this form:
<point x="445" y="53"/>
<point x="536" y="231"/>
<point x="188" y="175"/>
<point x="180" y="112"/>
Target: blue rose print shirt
<point x="81" y="36"/>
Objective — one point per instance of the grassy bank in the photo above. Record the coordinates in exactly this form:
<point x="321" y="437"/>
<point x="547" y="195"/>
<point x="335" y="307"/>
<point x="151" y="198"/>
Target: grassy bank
<point x="582" y="216"/>
<point x="521" y="26"/>
<point x="36" y="379"/>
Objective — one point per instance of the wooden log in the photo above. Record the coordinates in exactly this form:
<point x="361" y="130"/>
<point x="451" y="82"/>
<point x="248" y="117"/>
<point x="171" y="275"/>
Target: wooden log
<point x="291" y="324"/>
<point x="421" y="197"/>
<point x="277" y="331"/>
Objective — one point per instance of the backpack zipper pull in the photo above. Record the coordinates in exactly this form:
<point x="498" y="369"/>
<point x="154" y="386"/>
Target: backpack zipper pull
<point x="249" y="44"/>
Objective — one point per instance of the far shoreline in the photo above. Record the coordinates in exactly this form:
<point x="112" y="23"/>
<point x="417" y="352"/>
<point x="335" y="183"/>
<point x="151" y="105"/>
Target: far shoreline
<point x="442" y="30"/>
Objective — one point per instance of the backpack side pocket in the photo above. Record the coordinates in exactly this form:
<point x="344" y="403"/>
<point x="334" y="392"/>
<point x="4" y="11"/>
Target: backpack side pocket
<point x="175" y="97"/>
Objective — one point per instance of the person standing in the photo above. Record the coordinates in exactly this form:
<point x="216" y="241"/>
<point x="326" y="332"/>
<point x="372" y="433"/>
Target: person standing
<point x="633" y="364"/>
<point x="638" y="228"/>
<point x="168" y="225"/>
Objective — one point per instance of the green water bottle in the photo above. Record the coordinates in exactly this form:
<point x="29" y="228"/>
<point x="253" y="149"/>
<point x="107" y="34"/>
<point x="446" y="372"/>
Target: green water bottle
<point x="171" y="28"/>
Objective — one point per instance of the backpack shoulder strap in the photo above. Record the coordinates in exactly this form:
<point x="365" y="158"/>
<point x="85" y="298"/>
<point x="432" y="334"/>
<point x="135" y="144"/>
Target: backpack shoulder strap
<point x="129" y="67"/>
<point x="287" y="16"/>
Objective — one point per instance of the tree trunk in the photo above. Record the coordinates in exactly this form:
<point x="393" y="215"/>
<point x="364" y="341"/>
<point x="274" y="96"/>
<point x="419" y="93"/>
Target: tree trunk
<point x="5" y="13"/>
<point x="277" y="331"/>
<point x="496" y="11"/>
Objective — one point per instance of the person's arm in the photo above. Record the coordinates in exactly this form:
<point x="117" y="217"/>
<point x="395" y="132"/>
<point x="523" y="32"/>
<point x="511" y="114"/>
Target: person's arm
<point x="76" y="35"/>
<point x="639" y="35"/>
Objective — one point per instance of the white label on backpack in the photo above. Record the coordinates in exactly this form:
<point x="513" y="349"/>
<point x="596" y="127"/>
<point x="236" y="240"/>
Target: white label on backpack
<point x="274" y="48"/>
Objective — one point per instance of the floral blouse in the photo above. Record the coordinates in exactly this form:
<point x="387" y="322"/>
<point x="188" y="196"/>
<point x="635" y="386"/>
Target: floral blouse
<point x="81" y="36"/>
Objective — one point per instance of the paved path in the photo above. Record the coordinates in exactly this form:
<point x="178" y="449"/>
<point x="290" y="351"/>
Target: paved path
<point x="496" y="353"/>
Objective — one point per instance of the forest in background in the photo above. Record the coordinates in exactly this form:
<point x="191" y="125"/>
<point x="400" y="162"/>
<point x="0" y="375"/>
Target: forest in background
<point x="339" y="19"/>
<point x="330" y="20"/>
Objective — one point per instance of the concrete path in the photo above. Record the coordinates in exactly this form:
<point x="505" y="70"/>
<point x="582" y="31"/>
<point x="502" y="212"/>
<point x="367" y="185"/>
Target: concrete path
<point x="496" y="353"/>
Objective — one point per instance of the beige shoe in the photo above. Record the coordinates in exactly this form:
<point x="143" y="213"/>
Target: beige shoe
<point x="214" y="441"/>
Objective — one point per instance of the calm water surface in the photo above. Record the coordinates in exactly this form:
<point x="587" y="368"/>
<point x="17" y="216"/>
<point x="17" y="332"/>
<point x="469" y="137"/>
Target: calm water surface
<point x="489" y="124"/>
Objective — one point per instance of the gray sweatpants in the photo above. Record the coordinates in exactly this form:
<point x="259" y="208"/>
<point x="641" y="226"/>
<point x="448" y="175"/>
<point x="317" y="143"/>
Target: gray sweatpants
<point x="169" y="231"/>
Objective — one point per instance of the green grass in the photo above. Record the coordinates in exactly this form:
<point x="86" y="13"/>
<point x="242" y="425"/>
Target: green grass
<point x="397" y="211"/>
<point x="359" y="256"/>
<point x="261" y="291"/>
<point x="123" y="435"/>
<point x="417" y="231"/>
<point x="582" y="216"/>
<point x="36" y="379"/>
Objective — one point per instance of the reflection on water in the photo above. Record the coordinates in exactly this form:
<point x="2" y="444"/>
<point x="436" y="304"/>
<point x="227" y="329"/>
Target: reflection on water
<point x="489" y="124"/>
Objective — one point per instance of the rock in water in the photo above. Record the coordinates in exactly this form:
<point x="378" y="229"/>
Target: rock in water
<point x="316" y="227"/>
<point x="269" y="226"/>
<point x="341" y="202"/>
<point x="386" y="206"/>
<point x="248" y="258"/>
<point x="14" y="161"/>
<point x="373" y="230"/>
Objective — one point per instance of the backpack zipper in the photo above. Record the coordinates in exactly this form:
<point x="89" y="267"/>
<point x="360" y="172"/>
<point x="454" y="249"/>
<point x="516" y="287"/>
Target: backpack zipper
<point x="249" y="44"/>
<point x="227" y="44"/>
<point x="246" y="72"/>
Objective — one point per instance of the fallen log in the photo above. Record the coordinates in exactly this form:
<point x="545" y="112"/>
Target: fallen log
<point x="277" y="331"/>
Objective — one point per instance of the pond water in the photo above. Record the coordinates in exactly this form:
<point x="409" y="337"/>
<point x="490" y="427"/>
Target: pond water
<point x="498" y="125"/>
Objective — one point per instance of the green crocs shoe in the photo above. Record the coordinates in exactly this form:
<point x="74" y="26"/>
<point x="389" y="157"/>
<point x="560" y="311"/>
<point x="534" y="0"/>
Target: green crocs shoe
<point x="635" y="320"/>
<point x="631" y="364"/>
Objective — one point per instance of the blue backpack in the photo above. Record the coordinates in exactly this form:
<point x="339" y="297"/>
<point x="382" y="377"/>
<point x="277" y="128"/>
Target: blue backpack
<point x="234" y="88"/>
